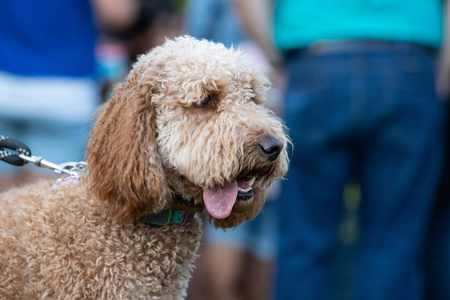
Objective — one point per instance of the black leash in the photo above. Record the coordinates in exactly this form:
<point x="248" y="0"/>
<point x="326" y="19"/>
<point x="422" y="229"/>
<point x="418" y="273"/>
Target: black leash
<point x="15" y="145"/>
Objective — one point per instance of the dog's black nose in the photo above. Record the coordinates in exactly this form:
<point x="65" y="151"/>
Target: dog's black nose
<point x="271" y="147"/>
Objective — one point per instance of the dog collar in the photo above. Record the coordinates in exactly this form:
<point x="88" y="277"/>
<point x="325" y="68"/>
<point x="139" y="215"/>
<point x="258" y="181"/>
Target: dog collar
<point x="168" y="217"/>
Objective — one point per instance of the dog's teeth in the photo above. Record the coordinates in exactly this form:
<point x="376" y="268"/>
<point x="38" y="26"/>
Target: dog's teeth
<point x="248" y="184"/>
<point x="245" y="190"/>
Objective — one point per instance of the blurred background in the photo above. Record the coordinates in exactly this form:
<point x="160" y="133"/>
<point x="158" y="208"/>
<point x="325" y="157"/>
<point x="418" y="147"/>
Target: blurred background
<point x="364" y="212"/>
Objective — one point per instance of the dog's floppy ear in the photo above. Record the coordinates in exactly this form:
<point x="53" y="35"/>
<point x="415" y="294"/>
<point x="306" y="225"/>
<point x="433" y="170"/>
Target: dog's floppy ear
<point x="124" y="165"/>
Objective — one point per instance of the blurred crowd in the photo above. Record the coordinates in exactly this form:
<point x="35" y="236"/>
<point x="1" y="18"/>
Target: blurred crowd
<point x="364" y="212"/>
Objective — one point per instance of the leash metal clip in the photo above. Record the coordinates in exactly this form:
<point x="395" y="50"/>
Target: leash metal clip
<point x="69" y="168"/>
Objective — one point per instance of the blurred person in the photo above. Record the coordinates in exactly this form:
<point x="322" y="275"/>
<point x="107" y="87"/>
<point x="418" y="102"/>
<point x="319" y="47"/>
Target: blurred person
<point x="360" y="101"/>
<point x="156" y="21"/>
<point x="438" y="243"/>
<point x="48" y="86"/>
<point x="238" y="263"/>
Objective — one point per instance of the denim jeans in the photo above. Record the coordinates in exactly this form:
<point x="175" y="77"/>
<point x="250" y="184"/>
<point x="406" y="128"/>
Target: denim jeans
<point x="366" y="110"/>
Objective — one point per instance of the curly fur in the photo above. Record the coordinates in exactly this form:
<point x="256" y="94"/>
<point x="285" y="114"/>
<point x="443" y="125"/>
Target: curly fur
<point x="158" y="137"/>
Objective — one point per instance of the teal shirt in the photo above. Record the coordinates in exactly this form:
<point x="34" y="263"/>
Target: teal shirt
<point x="300" y="23"/>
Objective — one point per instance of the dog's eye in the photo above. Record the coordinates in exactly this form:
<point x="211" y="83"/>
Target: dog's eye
<point x="208" y="101"/>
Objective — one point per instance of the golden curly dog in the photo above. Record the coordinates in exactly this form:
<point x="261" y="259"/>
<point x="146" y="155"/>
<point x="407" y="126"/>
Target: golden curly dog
<point x="187" y="131"/>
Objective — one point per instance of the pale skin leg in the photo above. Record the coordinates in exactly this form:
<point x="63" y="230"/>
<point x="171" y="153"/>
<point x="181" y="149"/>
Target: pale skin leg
<point x="258" y="279"/>
<point x="234" y="274"/>
<point x="223" y="270"/>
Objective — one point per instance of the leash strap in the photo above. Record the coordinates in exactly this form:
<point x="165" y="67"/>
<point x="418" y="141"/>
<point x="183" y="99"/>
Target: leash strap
<point x="15" y="145"/>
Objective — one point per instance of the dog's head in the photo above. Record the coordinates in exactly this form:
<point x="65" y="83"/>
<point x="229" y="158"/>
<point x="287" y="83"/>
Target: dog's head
<point x="189" y="120"/>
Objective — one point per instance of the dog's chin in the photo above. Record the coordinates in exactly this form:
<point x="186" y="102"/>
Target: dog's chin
<point x="246" y="207"/>
<point x="243" y="197"/>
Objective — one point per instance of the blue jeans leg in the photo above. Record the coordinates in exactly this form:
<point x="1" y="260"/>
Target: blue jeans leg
<point x="372" y="109"/>
<point x="309" y="228"/>
<point x="311" y="196"/>
<point x="399" y="174"/>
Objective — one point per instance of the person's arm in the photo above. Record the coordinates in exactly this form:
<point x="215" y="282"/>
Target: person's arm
<point x="257" y="18"/>
<point x="115" y="14"/>
<point x="443" y="76"/>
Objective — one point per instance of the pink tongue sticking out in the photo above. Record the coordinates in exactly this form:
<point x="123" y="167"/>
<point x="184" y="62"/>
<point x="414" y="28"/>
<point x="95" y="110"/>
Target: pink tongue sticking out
<point x="219" y="201"/>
